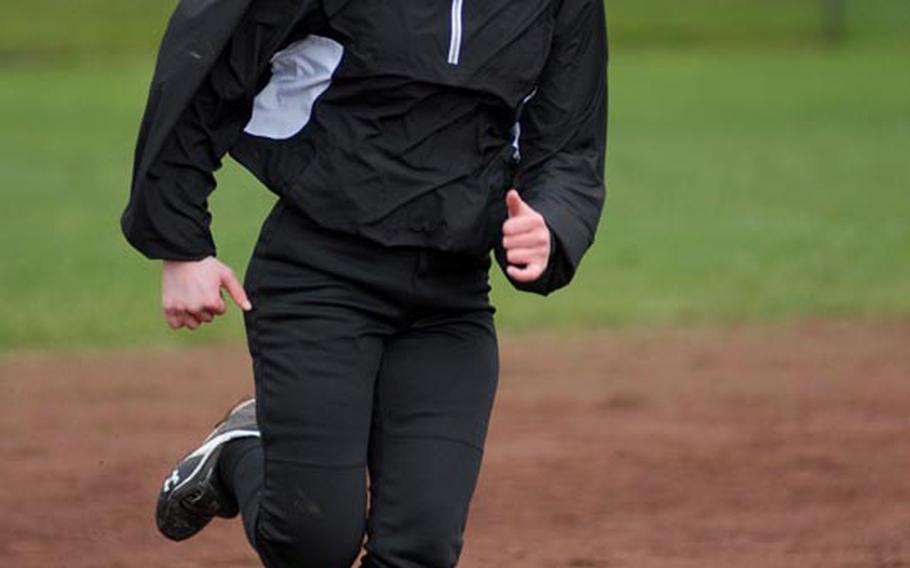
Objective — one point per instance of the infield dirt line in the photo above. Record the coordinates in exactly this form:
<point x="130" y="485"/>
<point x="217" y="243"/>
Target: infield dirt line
<point x="747" y="446"/>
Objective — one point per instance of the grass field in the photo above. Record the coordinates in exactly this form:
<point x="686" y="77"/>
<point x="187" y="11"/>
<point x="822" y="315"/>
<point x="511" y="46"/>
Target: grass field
<point x="49" y="28"/>
<point x="753" y="173"/>
<point x="744" y="184"/>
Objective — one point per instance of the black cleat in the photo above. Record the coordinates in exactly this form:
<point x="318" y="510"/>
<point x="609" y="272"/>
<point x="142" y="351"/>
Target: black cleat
<point x="191" y="495"/>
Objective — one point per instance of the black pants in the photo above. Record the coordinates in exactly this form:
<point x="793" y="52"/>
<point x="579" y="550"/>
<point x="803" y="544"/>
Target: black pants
<point x="367" y="359"/>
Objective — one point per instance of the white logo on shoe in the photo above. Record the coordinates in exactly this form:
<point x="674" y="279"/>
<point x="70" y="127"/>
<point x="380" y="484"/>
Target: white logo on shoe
<point x="172" y="481"/>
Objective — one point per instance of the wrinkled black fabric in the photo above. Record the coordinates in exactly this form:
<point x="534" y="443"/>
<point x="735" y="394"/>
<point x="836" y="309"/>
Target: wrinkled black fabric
<point x="403" y="148"/>
<point x="167" y="216"/>
<point x="387" y="364"/>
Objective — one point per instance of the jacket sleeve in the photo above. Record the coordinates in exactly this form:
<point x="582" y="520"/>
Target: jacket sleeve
<point x="562" y="141"/>
<point x="167" y="215"/>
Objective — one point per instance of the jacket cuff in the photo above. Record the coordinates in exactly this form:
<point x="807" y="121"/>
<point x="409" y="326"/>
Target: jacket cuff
<point x="571" y="234"/>
<point x="154" y="247"/>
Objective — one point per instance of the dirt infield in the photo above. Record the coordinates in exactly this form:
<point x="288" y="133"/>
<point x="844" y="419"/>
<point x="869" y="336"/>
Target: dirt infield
<point x="744" y="447"/>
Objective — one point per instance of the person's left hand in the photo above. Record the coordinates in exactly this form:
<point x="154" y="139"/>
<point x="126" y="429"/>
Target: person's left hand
<point x="526" y="239"/>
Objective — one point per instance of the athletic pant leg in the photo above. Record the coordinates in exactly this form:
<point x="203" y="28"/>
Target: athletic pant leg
<point x="317" y="343"/>
<point x="434" y="395"/>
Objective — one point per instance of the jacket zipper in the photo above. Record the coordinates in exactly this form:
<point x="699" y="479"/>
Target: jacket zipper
<point x="455" y="39"/>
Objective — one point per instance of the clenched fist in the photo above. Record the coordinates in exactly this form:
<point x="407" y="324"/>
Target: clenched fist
<point x="526" y="239"/>
<point x="191" y="291"/>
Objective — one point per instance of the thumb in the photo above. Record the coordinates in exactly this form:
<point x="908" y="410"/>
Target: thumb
<point x="235" y="289"/>
<point x="514" y="203"/>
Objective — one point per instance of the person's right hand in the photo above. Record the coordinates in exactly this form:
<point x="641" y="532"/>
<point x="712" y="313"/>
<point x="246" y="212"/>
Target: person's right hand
<point x="191" y="291"/>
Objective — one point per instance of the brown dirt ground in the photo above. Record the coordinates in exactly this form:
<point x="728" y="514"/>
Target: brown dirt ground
<point x="774" y="446"/>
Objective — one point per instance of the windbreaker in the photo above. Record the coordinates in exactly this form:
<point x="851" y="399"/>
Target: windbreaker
<point x="404" y="122"/>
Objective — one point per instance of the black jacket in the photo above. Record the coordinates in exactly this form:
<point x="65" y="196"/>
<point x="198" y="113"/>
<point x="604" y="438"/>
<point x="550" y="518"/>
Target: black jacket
<point x="403" y="122"/>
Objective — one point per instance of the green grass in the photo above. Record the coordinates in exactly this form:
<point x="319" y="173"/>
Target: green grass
<point x="111" y="28"/>
<point x="749" y="186"/>
<point x="731" y="22"/>
<point x="746" y="184"/>
<point x="47" y="28"/>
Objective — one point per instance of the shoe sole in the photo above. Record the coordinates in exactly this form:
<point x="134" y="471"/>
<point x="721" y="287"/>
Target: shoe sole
<point x="185" y="493"/>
